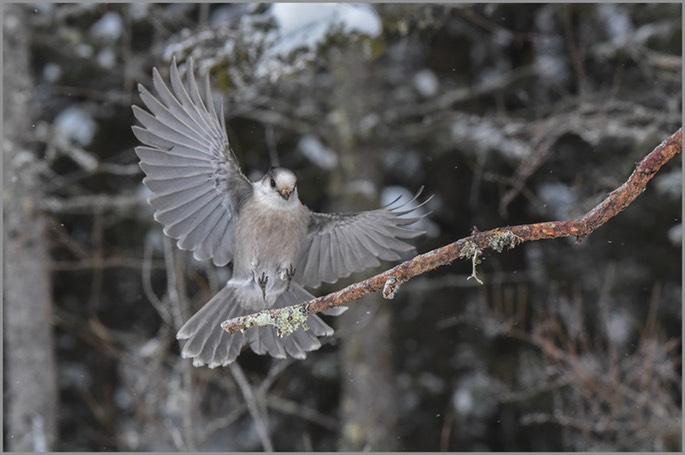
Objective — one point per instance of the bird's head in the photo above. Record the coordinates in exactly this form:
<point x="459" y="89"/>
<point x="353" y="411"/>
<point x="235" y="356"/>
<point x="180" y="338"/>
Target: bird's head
<point x="281" y="182"/>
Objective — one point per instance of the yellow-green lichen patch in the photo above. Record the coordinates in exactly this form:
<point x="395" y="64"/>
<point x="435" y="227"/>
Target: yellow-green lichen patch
<point x="290" y="319"/>
<point x="469" y="250"/>
<point x="504" y="239"/>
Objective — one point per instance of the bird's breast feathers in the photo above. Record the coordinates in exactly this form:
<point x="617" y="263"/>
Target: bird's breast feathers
<point x="269" y="236"/>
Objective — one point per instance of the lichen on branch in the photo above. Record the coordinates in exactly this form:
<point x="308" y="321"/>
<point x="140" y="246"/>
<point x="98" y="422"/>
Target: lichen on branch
<point x="288" y="319"/>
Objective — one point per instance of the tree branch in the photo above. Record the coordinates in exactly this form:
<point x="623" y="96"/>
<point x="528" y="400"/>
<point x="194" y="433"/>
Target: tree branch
<point x="289" y="319"/>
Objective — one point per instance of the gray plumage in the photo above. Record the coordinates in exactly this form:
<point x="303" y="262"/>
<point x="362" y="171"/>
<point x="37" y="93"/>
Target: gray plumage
<point x="275" y="244"/>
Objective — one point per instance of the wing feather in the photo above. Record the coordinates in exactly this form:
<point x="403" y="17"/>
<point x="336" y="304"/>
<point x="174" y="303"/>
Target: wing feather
<point x="184" y="220"/>
<point x="173" y="200"/>
<point x="164" y="114"/>
<point x="214" y="235"/>
<point x="180" y="210"/>
<point x="311" y="264"/>
<point x="199" y="234"/>
<point x="174" y="172"/>
<point x="341" y="253"/>
<point x="152" y="157"/>
<point x="324" y="257"/>
<point x="195" y="179"/>
<point x="164" y="131"/>
<point x="340" y="244"/>
<point x="160" y="186"/>
<point x="357" y="247"/>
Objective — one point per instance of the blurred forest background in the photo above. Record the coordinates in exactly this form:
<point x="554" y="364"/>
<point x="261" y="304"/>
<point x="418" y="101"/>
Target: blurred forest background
<point x="508" y="114"/>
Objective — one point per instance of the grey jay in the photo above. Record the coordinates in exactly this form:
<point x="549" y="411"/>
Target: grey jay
<point x="276" y="245"/>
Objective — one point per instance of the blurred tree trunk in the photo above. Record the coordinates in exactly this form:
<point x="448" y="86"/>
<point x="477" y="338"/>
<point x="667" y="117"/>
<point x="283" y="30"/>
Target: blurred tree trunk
<point x="367" y="370"/>
<point x="31" y="385"/>
<point x="369" y="409"/>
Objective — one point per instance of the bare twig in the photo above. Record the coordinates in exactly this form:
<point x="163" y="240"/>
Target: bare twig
<point x="302" y="411"/>
<point x="252" y="406"/>
<point x="162" y="309"/>
<point x="176" y="292"/>
<point x="289" y="319"/>
<point x="87" y="204"/>
<point x="106" y="262"/>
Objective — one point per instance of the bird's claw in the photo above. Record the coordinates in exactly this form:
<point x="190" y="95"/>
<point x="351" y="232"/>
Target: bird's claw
<point x="262" y="281"/>
<point x="288" y="275"/>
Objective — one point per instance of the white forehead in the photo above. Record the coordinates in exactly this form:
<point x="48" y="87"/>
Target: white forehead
<point x="285" y="178"/>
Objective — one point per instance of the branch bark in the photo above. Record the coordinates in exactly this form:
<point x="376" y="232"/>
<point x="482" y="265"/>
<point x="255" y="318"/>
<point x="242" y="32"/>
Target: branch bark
<point x="290" y="318"/>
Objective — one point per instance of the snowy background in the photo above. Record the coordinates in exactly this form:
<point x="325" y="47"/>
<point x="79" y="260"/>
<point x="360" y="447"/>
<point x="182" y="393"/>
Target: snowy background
<point x="507" y="114"/>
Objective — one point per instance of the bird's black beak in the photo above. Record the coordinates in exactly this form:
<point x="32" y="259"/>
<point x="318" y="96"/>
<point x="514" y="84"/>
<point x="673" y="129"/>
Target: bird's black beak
<point x="285" y="193"/>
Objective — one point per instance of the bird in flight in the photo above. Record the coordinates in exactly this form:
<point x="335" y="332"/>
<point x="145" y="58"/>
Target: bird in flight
<point x="274" y="243"/>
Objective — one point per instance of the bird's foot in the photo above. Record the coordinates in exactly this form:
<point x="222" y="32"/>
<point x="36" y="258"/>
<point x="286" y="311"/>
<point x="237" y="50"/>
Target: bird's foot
<point x="262" y="281"/>
<point x="287" y="275"/>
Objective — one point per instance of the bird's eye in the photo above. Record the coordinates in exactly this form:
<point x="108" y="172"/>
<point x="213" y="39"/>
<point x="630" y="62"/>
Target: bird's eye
<point x="273" y="183"/>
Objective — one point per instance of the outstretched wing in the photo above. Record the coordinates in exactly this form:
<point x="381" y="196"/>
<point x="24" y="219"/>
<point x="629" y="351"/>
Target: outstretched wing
<point x="195" y="179"/>
<point x="339" y="244"/>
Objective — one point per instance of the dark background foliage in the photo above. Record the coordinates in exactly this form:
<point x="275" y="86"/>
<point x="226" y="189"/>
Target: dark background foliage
<point x="507" y="114"/>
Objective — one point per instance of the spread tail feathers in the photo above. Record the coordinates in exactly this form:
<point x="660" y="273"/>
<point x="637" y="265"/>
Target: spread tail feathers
<point x="209" y="344"/>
